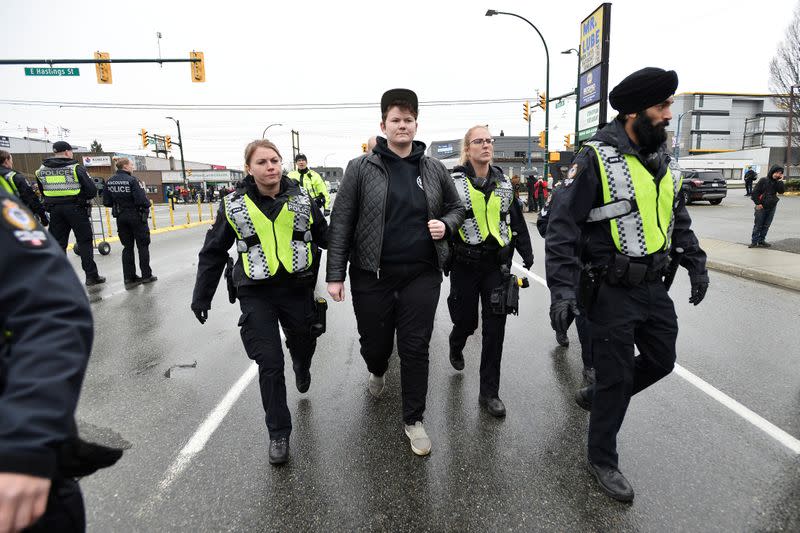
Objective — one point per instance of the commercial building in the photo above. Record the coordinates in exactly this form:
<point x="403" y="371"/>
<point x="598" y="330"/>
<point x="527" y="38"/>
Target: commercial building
<point x="510" y="153"/>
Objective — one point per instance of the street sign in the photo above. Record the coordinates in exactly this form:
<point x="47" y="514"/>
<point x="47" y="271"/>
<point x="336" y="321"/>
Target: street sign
<point x="49" y="71"/>
<point x="560" y="103"/>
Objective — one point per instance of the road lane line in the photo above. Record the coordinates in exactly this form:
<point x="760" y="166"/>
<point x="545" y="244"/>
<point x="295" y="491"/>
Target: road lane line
<point x="758" y="421"/>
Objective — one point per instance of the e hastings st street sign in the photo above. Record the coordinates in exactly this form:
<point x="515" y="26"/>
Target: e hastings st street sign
<point x="50" y="71"/>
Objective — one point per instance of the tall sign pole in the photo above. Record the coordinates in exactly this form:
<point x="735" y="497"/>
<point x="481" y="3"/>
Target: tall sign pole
<point x="593" y="73"/>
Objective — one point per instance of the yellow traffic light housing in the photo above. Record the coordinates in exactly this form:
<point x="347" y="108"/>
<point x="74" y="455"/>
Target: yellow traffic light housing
<point x="543" y="101"/>
<point x="364" y="147"/>
<point x="188" y="171"/>
<point x="526" y="111"/>
<point x="168" y="142"/>
<point x="567" y="140"/>
<point x="103" y="69"/>
<point x="198" y="67"/>
<point x="143" y="134"/>
<point x="541" y="139"/>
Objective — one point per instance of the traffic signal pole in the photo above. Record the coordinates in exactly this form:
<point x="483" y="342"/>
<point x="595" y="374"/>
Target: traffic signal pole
<point x="183" y="164"/>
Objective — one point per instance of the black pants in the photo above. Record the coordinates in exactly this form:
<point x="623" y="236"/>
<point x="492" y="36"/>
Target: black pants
<point x="132" y="228"/>
<point x="403" y="299"/>
<point x="763" y="220"/>
<point x="263" y="308"/>
<point x="70" y="217"/>
<point x="64" y="512"/>
<point x="584" y="328"/>
<point x="468" y="283"/>
<point x="621" y="318"/>
<point x="748" y="187"/>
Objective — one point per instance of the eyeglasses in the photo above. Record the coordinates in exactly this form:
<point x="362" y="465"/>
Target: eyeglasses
<point x="479" y="142"/>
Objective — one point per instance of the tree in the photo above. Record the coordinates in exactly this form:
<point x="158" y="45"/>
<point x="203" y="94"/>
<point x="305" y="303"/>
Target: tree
<point x="96" y="147"/>
<point x="784" y="72"/>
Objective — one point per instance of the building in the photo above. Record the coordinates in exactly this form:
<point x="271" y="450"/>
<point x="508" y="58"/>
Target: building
<point x="329" y="173"/>
<point x="510" y="153"/>
<point x="28" y="145"/>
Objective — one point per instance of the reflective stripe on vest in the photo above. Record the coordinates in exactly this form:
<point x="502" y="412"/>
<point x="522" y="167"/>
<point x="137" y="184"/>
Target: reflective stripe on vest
<point x="7" y="183"/>
<point x="488" y="218"/>
<point x="264" y="245"/>
<point x="61" y="181"/>
<point x="645" y="227"/>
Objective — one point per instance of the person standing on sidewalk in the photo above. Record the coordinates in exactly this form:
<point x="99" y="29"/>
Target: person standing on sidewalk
<point x="130" y="206"/>
<point x="765" y="196"/>
<point x="482" y="248"/>
<point x="540" y="193"/>
<point x="68" y="191"/>
<point x="393" y="213"/>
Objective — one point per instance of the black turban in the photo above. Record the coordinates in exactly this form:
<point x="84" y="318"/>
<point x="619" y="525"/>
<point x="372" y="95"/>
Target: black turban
<point x="642" y="89"/>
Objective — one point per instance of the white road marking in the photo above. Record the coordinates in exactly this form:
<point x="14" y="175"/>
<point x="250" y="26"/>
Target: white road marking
<point x="761" y="423"/>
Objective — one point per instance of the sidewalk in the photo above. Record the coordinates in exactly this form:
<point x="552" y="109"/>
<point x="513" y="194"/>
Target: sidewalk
<point x="760" y="264"/>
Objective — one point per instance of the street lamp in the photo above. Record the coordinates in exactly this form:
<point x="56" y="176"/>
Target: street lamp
<point x="576" y="145"/>
<point x="325" y="159"/>
<point x="492" y="12"/>
<point x="180" y="145"/>
<point x="789" y="140"/>
<point x="264" y="135"/>
<point x="678" y="136"/>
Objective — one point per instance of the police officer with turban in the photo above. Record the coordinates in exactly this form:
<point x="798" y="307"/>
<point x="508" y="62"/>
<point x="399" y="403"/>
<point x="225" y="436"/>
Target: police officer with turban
<point x="621" y="206"/>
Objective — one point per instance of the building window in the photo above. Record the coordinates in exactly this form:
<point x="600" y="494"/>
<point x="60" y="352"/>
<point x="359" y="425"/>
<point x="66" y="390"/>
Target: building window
<point x="520" y="154"/>
<point x="152" y="189"/>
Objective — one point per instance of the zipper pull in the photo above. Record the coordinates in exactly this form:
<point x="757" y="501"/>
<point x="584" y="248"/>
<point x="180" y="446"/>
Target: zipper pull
<point x="379" y="273"/>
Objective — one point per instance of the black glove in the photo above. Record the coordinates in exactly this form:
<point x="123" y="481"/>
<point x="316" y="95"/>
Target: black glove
<point x="79" y="458"/>
<point x="528" y="263"/>
<point x="44" y="220"/>
<point x="562" y="312"/>
<point x="201" y="314"/>
<point x="698" y="292"/>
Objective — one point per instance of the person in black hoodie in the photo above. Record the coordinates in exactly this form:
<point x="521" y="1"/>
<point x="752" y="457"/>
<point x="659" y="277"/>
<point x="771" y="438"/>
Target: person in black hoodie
<point x="393" y="212"/>
<point x="765" y="196"/>
<point x="68" y="190"/>
<point x="278" y="230"/>
<point x="483" y="246"/>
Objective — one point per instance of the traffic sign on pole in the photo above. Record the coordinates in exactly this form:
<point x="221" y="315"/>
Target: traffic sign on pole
<point x="49" y="71"/>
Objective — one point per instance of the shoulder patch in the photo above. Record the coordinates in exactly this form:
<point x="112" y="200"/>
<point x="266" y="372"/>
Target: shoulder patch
<point x="23" y="226"/>
<point x="573" y="171"/>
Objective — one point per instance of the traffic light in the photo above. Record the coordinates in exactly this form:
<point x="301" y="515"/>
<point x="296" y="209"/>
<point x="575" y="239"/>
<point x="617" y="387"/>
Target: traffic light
<point x="526" y="111"/>
<point x="198" y="67"/>
<point x="543" y="101"/>
<point x="189" y="172"/>
<point x="168" y="142"/>
<point x="567" y="141"/>
<point x="144" y="137"/>
<point x="364" y="147"/>
<point x="103" y="69"/>
<point x="541" y="138"/>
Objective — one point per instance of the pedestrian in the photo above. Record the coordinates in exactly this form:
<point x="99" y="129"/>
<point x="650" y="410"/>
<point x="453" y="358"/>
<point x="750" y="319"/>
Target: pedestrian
<point x="15" y="183"/>
<point x="130" y="206"/>
<point x="621" y="207"/>
<point x="393" y="212"/>
<point x="68" y="191"/>
<point x="371" y="142"/>
<point x="749" y="177"/>
<point x="311" y="181"/>
<point x="45" y="344"/>
<point x="278" y="231"/>
<point x="540" y="193"/>
<point x="529" y="188"/>
<point x="765" y="196"/>
<point x="482" y="251"/>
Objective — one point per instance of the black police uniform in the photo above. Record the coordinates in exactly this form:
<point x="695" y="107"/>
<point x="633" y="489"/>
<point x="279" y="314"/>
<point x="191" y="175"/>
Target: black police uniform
<point x="475" y="274"/>
<point x="621" y="316"/>
<point x="285" y="299"/>
<point x="130" y="206"/>
<point x="46" y="340"/>
<point x="71" y="213"/>
<point x="26" y="194"/>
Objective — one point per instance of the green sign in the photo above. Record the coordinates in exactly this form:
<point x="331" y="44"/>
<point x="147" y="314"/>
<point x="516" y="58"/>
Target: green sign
<point x="49" y="71"/>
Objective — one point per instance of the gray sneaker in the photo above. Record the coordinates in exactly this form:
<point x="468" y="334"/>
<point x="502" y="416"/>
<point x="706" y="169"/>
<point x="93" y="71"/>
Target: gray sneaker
<point x="376" y="384"/>
<point x="420" y="443"/>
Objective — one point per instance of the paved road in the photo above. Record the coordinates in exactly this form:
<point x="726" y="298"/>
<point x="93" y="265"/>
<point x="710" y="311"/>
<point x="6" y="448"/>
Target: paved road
<point x="695" y="464"/>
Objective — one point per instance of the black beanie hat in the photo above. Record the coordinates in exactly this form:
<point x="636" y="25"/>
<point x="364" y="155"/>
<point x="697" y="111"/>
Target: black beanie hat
<point x="642" y="89"/>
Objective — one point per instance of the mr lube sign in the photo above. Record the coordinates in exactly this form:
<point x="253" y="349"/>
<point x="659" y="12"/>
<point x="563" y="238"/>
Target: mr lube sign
<point x="50" y="71"/>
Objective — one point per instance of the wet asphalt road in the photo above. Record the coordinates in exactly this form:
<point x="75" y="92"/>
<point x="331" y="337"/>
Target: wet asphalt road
<point x="695" y="464"/>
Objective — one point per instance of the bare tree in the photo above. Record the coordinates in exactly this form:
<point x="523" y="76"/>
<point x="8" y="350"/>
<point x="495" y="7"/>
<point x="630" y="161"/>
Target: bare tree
<point x="784" y="73"/>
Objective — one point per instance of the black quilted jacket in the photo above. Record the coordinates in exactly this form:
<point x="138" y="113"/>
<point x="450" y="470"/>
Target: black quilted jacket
<point x="356" y="230"/>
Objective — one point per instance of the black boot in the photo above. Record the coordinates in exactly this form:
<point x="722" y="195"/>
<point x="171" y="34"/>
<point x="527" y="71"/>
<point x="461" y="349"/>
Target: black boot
<point x="456" y="356"/>
<point x="279" y="450"/>
<point x="302" y="378"/>
<point x="95" y="280"/>
<point x="583" y="397"/>
<point x="132" y="283"/>
<point x="562" y="339"/>
<point x="494" y="406"/>
<point x="612" y="482"/>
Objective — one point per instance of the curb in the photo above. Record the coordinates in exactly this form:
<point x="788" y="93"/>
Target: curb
<point x="754" y="274"/>
<point x="152" y="232"/>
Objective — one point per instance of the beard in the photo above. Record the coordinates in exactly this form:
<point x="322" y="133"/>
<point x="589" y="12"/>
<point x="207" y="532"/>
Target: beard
<point x="650" y="136"/>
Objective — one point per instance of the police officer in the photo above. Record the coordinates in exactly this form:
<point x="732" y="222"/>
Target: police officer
<point x="15" y="183"/>
<point x="45" y="340"/>
<point x="68" y="189"/>
<point x="482" y="250"/>
<point x="311" y="182"/>
<point x="622" y="201"/>
<point x="130" y="206"/>
<point x="277" y="229"/>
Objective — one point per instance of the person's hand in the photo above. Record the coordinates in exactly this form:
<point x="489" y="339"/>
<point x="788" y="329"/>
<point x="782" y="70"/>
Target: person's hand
<point x="437" y="229"/>
<point x="44" y="220"/>
<point x="698" y="292"/>
<point x="759" y="207"/>
<point x="336" y="290"/>
<point x="201" y="314"/>
<point x="23" y="500"/>
<point x="527" y="264"/>
<point x="562" y="312"/>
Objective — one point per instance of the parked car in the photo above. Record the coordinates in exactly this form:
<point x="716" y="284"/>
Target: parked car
<point x="333" y="186"/>
<point x="701" y="185"/>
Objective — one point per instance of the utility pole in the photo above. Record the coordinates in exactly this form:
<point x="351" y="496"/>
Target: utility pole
<point x="180" y="145"/>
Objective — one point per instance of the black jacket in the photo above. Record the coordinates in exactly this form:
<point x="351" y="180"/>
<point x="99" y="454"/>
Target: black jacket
<point x="26" y="193"/>
<point x="767" y="189"/>
<point x="358" y="215"/>
<point x="124" y="191"/>
<point x="568" y="232"/>
<point x="88" y="188"/>
<point x="221" y="236"/>
<point x="519" y="228"/>
<point x="47" y="325"/>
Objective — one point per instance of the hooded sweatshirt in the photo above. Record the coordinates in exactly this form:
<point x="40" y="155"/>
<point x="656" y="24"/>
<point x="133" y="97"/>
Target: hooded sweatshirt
<point x="767" y="189"/>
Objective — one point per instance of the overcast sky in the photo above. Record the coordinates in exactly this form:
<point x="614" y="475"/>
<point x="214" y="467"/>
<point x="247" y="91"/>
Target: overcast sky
<point x="298" y="52"/>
